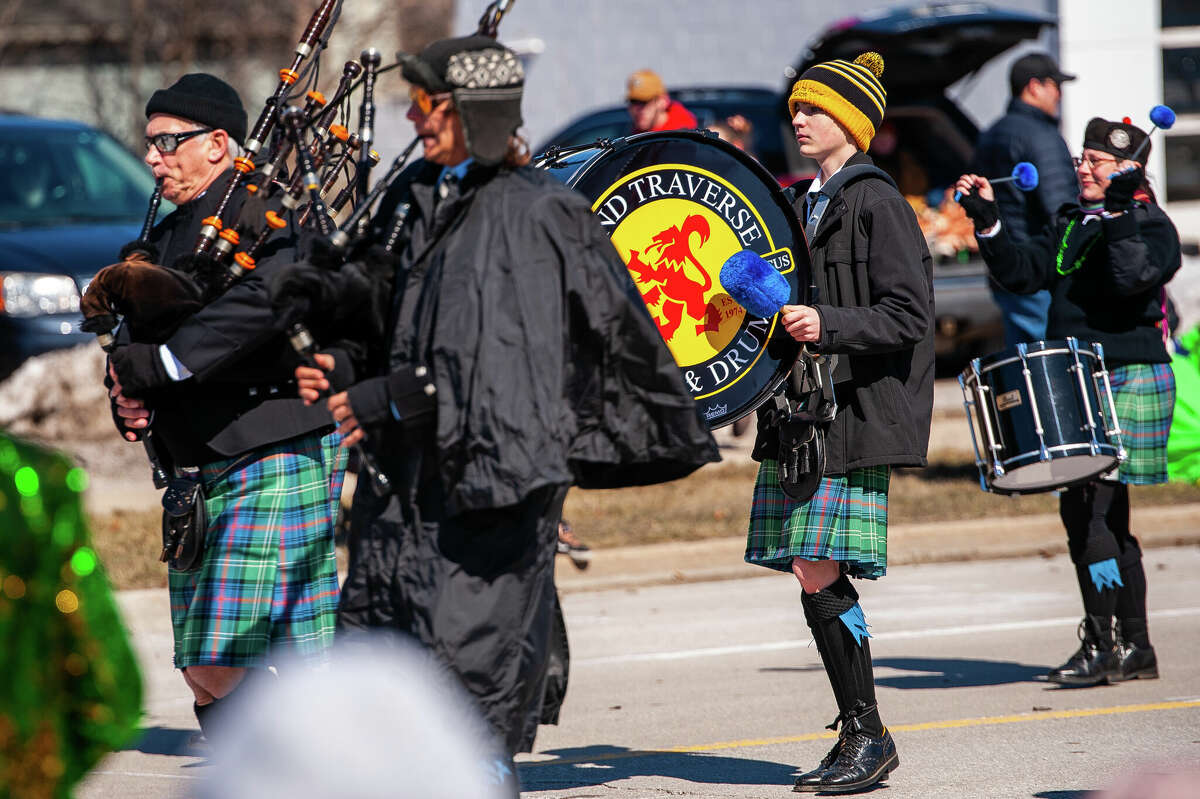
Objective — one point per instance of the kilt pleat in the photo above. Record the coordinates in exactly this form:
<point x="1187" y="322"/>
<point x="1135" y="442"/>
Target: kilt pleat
<point x="1144" y="394"/>
<point x="268" y="581"/>
<point x="845" y="520"/>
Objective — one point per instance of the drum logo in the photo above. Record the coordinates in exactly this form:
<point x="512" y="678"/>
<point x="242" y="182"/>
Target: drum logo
<point x="674" y="225"/>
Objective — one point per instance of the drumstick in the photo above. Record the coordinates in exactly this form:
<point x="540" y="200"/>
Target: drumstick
<point x="1161" y="117"/>
<point x="1024" y="174"/>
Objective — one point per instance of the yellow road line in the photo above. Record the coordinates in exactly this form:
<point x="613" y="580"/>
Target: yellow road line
<point x="948" y="724"/>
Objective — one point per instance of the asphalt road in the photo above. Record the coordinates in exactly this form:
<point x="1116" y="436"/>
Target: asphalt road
<point x="711" y="689"/>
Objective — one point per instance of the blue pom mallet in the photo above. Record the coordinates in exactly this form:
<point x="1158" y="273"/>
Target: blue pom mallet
<point x="1161" y="117"/>
<point x="1024" y="175"/>
<point x="754" y="284"/>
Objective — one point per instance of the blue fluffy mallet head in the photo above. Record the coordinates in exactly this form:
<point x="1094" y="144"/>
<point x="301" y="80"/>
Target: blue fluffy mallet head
<point x="1025" y="176"/>
<point x="1162" y="117"/>
<point x="755" y="284"/>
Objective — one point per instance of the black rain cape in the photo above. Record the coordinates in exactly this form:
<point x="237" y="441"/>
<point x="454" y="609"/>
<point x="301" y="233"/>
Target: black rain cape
<point x="549" y="372"/>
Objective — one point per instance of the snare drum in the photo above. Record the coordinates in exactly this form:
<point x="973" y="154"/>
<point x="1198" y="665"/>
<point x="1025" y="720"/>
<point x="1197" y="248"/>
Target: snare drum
<point x="676" y="205"/>
<point x="1042" y="416"/>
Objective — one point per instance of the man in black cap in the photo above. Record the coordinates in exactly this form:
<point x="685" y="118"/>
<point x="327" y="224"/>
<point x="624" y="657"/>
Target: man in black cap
<point x="1028" y="131"/>
<point x="226" y="418"/>
<point x="548" y="371"/>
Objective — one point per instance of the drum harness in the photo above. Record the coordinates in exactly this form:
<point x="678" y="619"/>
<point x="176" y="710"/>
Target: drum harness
<point x="807" y="403"/>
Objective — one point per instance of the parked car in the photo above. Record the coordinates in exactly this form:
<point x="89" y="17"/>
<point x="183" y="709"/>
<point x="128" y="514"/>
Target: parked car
<point x="925" y="143"/>
<point x="70" y="196"/>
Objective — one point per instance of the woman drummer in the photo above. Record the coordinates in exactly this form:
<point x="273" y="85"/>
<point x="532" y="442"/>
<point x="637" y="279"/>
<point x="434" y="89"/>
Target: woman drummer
<point x="1105" y="261"/>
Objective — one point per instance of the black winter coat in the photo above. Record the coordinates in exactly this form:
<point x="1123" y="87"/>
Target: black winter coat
<point x="549" y="369"/>
<point x="243" y="394"/>
<point x="1105" y="277"/>
<point x="1026" y="133"/>
<point x="874" y="279"/>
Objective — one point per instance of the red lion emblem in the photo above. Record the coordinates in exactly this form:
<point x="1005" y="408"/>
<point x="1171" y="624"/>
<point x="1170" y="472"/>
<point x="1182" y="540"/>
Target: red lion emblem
<point x="666" y="278"/>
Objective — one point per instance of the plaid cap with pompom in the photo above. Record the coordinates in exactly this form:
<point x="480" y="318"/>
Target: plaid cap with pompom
<point x="849" y="91"/>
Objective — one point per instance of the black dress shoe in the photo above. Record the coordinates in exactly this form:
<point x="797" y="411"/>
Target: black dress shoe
<point x="811" y="780"/>
<point x="1136" y="663"/>
<point x="1094" y="663"/>
<point x="861" y="762"/>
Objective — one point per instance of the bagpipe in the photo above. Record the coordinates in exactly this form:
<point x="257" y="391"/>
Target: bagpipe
<point x="301" y="169"/>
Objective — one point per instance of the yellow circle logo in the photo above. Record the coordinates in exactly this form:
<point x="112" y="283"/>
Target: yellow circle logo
<point x="674" y="249"/>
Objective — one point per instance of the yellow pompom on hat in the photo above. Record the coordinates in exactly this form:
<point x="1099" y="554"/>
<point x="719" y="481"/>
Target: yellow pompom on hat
<point x="849" y="91"/>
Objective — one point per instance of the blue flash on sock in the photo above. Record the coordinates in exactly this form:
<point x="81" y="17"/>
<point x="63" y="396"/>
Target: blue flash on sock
<point x="1105" y="574"/>
<point x="855" y="623"/>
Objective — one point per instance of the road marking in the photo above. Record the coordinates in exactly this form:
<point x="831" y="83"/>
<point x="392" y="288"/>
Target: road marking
<point x="986" y="721"/>
<point x="775" y="646"/>
<point x="146" y="774"/>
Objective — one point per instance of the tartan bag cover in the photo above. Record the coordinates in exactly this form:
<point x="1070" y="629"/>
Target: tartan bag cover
<point x="269" y="576"/>
<point x="1144" y="394"/>
<point x="846" y="520"/>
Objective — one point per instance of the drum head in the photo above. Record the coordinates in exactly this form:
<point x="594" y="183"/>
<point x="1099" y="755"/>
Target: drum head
<point x="677" y="205"/>
<point x="1053" y="474"/>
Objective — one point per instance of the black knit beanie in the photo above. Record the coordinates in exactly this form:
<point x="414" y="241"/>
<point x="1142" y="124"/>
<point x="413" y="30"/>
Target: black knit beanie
<point x="205" y="99"/>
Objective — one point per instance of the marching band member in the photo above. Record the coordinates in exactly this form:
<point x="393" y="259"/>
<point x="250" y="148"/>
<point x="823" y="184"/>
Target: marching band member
<point x="1105" y="261"/>
<point x="874" y="310"/>
<point x="548" y="371"/>
<point x="269" y="469"/>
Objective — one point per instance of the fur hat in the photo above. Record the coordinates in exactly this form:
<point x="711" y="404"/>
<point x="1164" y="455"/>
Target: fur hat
<point x="486" y="79"/>
<point x="849" y="91"/>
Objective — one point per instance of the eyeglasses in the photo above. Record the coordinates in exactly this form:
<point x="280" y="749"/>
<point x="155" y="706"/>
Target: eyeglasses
<point x="426" y="101"/>
<point x="167" y="143"/>
<point x="1092" y="161"/>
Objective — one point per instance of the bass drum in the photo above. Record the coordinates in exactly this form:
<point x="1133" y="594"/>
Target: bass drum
<point x="676" y="205"/>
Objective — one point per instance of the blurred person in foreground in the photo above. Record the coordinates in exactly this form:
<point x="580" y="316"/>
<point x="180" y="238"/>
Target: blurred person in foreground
<point x="70" y="690"/>
<point x="1028" y="131"/>
<point x="384" y="721"/>
<point x="651" y="108"/>
<point x="263" y="470"/>
<point x="1105" y="259"/>
<point x="873" y="310"/>
<point x="516" y="361"/>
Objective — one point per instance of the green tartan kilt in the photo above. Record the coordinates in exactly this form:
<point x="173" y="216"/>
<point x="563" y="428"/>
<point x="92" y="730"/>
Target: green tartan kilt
<point x="845" y="520"/>
<point x="268" y="580"/>
<point x="1144" y="394"/>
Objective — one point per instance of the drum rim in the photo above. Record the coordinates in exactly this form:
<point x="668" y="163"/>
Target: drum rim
<point x="1045" y="348"/>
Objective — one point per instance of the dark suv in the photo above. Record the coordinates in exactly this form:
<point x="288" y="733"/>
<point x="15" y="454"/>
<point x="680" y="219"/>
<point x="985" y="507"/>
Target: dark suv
<point x="925" y="143"/>
<point x="70" y="196"/>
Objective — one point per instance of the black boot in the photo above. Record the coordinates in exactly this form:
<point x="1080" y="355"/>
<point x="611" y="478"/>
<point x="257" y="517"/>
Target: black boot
<point x="862" y="760"/>
<point x="1135" y="656"/>
<point x="1095" y="662"/>
<point x="859" y="758"/>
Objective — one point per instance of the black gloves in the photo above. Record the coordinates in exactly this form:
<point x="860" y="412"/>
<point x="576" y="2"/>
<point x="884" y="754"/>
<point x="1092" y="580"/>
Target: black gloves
<point x="409" y="391"/>
<point x="139" y="369"/>
<point x="1119" y="194"/>
<point x="139" y="246"/>
<point x="983" y="213"/>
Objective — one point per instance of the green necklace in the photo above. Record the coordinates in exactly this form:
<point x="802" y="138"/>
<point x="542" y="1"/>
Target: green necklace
<point x="1062" y="251"/>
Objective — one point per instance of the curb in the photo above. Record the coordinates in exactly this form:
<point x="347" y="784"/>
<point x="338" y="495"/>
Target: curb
<point x="937" y="542"/>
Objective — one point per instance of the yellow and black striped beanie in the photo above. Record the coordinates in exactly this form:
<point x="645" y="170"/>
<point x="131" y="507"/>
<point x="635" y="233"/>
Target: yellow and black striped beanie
<point x="849" y="91"/>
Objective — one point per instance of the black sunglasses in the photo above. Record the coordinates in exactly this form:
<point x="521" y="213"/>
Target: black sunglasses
<point x="167" y="143"/>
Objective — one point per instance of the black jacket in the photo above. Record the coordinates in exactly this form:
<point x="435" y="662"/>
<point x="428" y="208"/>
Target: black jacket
<point x="874" y="279"/>
<point x="242" y="395"/>
<point x="1026" y="133"/>
<point x="1105" y="277"/>
<point x="549" y="369"/>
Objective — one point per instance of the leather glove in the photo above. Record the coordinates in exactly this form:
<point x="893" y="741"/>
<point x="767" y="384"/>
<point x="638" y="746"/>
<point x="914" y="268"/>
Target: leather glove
<point x="1119" y="194"/>
<point x="983" y="213"/>
<point x="139" y="368"/>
